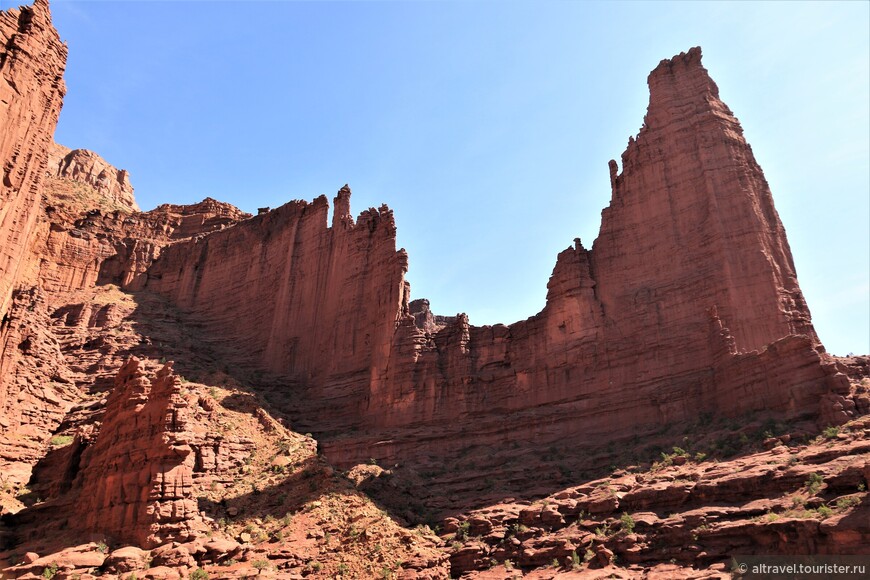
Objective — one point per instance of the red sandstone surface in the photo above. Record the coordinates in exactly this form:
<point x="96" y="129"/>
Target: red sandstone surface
<point x="669" y="407"/>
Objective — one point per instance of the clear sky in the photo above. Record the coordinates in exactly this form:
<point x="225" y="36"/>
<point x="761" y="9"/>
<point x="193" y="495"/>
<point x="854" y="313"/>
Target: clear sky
<point x="486" y="126"/>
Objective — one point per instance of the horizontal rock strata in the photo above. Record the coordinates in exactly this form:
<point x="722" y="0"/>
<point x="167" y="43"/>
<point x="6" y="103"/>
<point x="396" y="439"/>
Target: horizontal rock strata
<point x="687" y="303"/>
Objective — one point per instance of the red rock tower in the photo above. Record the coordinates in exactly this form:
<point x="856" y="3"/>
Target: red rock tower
<point x="692" y="226"/>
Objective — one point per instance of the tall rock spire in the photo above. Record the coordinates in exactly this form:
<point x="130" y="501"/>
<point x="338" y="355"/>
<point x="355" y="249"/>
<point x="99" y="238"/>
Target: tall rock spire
<point x="692" y="221"/>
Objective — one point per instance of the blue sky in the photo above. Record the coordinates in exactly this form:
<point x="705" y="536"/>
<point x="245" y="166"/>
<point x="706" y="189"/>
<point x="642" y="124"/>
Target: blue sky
<point x="486" y="126"/>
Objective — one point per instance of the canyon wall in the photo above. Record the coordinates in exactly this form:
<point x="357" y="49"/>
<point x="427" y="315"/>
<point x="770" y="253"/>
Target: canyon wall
<point x="135" y="479"/>
<point x="32" y="62"/>
<point x="293" y="296"/>
<point x="34" y="395"/>
<point x="687" y="303"/>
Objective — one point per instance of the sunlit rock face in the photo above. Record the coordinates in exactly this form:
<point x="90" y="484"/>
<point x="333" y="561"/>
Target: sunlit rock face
<point x="687" y="303"/>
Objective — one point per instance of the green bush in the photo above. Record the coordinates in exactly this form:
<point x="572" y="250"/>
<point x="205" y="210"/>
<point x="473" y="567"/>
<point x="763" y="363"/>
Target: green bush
<point x="814" y="483"/>
<point x="627" y="523"/>
<point x="61" y="440"/>
<point x="831" y="432"/>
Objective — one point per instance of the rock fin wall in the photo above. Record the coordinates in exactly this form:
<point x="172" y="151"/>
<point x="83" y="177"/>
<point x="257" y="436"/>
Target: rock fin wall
<point x="297" y="293"/>
<point x="688" y="302"/>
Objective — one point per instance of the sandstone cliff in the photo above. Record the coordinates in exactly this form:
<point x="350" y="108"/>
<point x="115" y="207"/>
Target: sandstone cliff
<point x="314" y="291"/>
<point x="137" y="475"/>
<point x="32" y="61"/>
<point x="683" y="325"/>
<point x="688" y="303"/>
<point x="31" y="87"/>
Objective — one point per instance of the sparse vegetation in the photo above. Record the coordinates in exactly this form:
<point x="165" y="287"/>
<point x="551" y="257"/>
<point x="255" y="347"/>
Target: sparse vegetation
<point x="824" y="511"/>
<point x="199" y="574"/>
<point x="462" y="531"/>
<point x="814" y="483"/>
<point x="49" y="571"/>
<point x="846" y="502"/>
<point x="575" y="560"/>
<point x="627" y="523"/>
<point x="831" y="432"/>
<point x="61" y="440"/>
<point x="516" y="528"/>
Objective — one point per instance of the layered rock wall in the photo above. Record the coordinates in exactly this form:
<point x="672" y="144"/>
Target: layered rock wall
<point x="636" y="333"/>
<point x="35" y="389"/>
<point x="688" y="302"/>
<point x="318" y="304"/>
<point x="135" y="480"/>
<point x="33" y="395"/>
<point x="32" y="61"/>
<point x="118" y="247"/>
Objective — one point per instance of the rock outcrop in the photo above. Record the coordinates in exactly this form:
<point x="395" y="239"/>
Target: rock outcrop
<point x="315" y="291"/>
<point x="790" y="499"/>
<point x="135" y="479"/>
<point x="117" y="247"/>
<point x="80" y="166"/>
<point x="36" y="391"/>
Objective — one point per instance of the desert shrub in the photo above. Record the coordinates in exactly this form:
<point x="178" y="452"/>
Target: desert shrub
<point x="830" y="432"/>
<point x="61" y="440"/>
<point x="814" y="483"/>
<point x="627" y="523"/>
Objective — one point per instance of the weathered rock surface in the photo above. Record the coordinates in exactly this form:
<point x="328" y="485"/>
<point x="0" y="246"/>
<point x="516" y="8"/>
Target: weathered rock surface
<point x="118" y="247"/>
<point x="686" y="312"/>
<point x="135" y="480"/>
<point x="315" y="291"/>
<point x="688" y="303"/>
<point x="36" y="390"/>
<point x="32" y="61"/>
<point x="794" y="499"/>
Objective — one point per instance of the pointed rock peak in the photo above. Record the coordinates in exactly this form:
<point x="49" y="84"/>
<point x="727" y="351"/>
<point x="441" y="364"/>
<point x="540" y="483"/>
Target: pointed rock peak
<point x="39" y="13"/>
<point x="677" y="82"/>
<point x="342" y="207"/>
